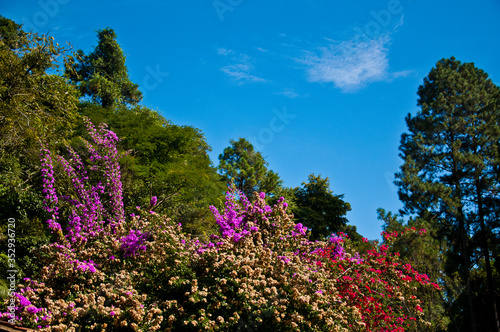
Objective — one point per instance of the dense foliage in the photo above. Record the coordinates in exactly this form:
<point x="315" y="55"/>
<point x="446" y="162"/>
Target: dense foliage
<point x="318" y="209"/>
<point x="247" y="168"/>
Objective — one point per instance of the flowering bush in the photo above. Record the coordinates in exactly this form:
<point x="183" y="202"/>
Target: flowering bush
<point x="109" y="272"/>
<point x="381" y="286"/>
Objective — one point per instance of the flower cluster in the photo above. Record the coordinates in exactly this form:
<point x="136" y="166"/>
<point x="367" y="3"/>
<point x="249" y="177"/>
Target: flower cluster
<point x="381" y="286"/>
<point x="233" y="223"/>
<point x="51" y="200"/>
<point x="133" y="242"/>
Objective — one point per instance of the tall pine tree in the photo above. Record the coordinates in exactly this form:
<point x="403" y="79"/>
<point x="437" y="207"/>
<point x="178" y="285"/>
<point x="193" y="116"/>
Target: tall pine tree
<point x="450" y="160"/>
<point x="102" y="74"/>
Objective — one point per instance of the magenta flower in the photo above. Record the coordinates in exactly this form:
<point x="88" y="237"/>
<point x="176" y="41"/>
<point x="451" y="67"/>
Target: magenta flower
<point x="133" y="242"/>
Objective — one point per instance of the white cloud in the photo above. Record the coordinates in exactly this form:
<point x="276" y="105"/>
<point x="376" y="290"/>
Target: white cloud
<point x="349" y="65"/>
<point x="290" y="93"/>
<point x="224" y="51"/>
<point x="242" y="67"/>
<point x="241" y="73"/>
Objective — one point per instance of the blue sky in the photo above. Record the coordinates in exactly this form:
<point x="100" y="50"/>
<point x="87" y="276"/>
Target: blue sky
<point x="317" y="86"/>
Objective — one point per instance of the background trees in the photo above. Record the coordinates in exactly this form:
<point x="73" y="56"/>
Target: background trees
<point x="313" y="204"/>
<point x="319" y="209"/>
<point x="247" y="168"/>
<point x="449" y="178"/>
<point x="102" y="74"/>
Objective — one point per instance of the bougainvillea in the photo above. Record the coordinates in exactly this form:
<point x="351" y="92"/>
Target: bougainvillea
<point x="133" y="242"/>
<point x="381" y="286"/>
<point x="109" y="272"/>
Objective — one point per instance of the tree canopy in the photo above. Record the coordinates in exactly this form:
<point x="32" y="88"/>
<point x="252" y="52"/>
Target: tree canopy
<point x="102" y="74"/>
<point x="247" y="168"/>
<point x="319" y="209"/>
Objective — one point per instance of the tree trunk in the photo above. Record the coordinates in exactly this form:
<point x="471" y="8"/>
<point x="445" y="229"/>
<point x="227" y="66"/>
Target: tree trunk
<point x="490" y="289"/>
<point x="465" y="258"/>
<point x="463" y="243"/>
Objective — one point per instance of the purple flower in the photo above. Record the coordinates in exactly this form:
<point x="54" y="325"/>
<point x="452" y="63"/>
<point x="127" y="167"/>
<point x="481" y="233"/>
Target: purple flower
<point x="154" y="200"/>
<point x="133" y="242"/>
<point x="24" y="302"/>
<point x="284" y="259"/>
<point x="237" y="237"/>
<point x="33" y="310"/>
<point x="84" y="266"/>
<point x="299" y="230"/>
<point x="335" y="239"/>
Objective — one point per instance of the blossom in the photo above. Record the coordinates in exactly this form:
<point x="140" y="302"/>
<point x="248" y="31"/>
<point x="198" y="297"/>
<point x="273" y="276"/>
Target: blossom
<point x="133" y="242"/>
<point x="299" y="230"/>
<point x="85" y="266"/>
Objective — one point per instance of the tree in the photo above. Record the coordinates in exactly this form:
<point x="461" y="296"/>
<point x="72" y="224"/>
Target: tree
<point x="102" y="74"/>
<point x="12" y="34"/>
<point x="449" y="173"/>
<point x="35" y="104"/>
<point x="165" y="160"/>
<point x="319" y="209"/>
<point x="247" y="168"/>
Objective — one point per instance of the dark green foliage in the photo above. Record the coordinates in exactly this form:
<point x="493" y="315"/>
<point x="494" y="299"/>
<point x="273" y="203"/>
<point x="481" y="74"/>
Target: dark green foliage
<point x="102" y="74"/>
<point x="319" y="209"/>
<point x="450" y="178"/>
<point x="247" y="168"/>
<point x="12" y="35"/>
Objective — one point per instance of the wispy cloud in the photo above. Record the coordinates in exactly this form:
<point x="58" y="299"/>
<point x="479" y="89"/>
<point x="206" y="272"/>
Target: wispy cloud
<point x="224" y="51"/>
<point x="350" y="65"/>
<point x="289" y="93"/>
<point x="240" y="72"/>
<point x="241" y="69"/>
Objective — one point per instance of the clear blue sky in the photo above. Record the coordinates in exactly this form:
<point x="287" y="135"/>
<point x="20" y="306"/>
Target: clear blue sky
<point x="318" y="86"/>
